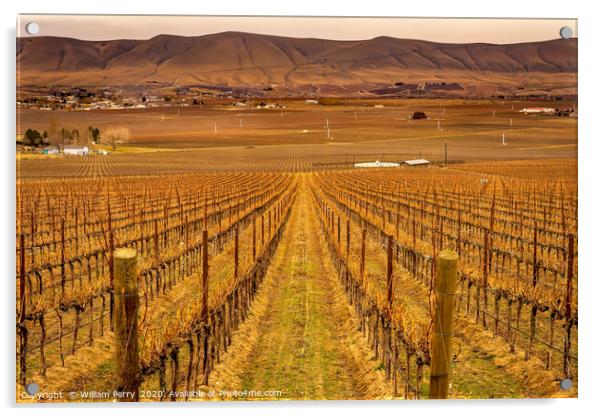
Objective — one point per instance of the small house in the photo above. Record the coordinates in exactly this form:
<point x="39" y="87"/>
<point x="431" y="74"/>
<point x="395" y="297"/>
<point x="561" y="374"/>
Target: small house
<point x="76" y="150"/>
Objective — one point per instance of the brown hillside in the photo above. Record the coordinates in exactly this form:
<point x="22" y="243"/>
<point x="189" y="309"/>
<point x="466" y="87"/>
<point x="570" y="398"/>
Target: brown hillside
<point x="252" y="60"/>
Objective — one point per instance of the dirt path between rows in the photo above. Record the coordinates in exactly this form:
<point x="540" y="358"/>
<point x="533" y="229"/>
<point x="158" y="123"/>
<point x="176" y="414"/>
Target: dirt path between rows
<point x="300" y="340"/>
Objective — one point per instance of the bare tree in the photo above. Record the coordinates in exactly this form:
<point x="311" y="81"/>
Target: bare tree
<point x="114" y="135"/>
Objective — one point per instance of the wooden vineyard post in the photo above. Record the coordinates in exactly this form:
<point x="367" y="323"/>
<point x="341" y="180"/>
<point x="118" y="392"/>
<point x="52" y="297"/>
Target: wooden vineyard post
<point x="568" y="306"/>
<point x="535" y="261"/>
<point x="348" y="245"/>
<point x="76" y="232"/>
<point x="384" y="209"/>
<point x="397" y="221"/>
<point x="156" y="240"/>
<point x="111" y="268"/>
<point x="63" y="275"/>
<point x="235" y="255"/>
<point x="204" y="277"/>
<point x="390" y="272"/>
<point x="363" y="255"/>
<point x="262" y="230"/>
<point x="126" y="324"/>
<point x="21" y="326"/>
<point x="485" y="276"/>
<point x="445" y="288"/>
<point x="205" y="306"/>
<point x="33" y="238"/>
<point x="339" y="232"/>
<point x="459" y="233"/>
<point x="533" y="315"/>
<point x="254" y="239"/>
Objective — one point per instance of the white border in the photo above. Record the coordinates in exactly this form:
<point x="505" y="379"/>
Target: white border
<point x="590" y="143"/>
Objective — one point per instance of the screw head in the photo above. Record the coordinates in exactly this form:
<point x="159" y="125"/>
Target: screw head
<point x="32" y="388"/>
<point x="566" y="32"/>
<point x="566" y="384"/>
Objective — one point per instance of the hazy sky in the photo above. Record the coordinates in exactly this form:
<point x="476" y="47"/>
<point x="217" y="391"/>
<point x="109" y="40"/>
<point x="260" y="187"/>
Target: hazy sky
<point x="439" y="30"/>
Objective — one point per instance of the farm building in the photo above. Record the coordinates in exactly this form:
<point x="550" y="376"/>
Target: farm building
<point x="50" y="150"/>
<point x="76" y="150"/>
<point x="377" y="164"/>
<point x="419" y="115"/>
<point x="538" y="110"/>
<point x="416" y="162"/>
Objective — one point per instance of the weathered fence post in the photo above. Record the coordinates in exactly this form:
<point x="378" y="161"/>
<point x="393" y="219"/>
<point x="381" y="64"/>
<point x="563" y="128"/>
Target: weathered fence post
<point x="235" y="255"/>
<point x="363" y="254"/>
<point x="533" y="315"/>
<point x="156" y="240"/>
<point x="390" y="272"/>
<point x="63" y="272"/>
<point x="445" y="287"/>
<point x="205" y="306"/>
<point x="111" y="247"/>
<point x="126" y="323"/>
<point x="22" y="306"/>
<point x="348" y="245"/>
<point x="262" y="230"/>
<point x="485" y="275"/>
<point x="254" y="239"/>
<point x="568" y="305"/>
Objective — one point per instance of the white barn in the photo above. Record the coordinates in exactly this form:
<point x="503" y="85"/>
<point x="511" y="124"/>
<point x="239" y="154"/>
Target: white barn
<point x="76" y="150"/>
<point x="377" y="164"/>
<point x="416" y="162"/>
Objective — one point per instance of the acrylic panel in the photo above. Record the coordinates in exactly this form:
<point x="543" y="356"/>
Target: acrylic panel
<point x="295" y="208"/>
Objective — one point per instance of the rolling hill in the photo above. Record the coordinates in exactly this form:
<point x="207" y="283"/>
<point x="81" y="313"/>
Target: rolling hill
<point x="236" y="59"/>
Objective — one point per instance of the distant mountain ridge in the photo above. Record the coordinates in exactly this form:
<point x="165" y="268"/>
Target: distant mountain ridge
<point x="252" y="60"/>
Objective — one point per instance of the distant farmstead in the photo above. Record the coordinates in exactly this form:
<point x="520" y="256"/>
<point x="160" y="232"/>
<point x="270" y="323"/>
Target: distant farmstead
<point x="416" y="162"/>
<point x="50" y="150"/>
<point x="538" y="110"/>
<point x="377" y="164"/>
<point x="76" y="150"/>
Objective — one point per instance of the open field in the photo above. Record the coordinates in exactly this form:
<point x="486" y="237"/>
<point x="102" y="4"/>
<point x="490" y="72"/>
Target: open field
<point x="274" y="140"/>
<point x="469" y="125"/>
